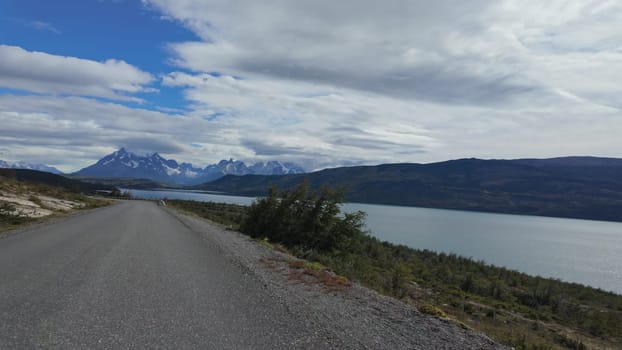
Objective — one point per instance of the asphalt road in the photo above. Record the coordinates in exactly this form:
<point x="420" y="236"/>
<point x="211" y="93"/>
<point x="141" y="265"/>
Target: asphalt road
<point x="133" y="276"/>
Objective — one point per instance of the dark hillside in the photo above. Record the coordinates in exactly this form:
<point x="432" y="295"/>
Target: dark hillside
<point x="40" y="177"/>
<point x="134" y="183"/>
<point x="574" y="187"/>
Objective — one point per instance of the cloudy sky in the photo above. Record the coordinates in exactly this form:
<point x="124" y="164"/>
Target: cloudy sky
<point x="322" y="83"/>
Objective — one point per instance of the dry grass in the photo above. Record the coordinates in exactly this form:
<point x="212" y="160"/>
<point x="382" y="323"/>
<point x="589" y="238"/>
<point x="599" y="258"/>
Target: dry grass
<point x="311" y="272"/>
<point x="274" y="246"/>
<point x="433" y="310"/>
<point x="307" y="272"/>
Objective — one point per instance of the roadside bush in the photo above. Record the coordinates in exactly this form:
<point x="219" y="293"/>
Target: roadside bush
<point x="308" y="220"/>
<point x="10" y="215"/>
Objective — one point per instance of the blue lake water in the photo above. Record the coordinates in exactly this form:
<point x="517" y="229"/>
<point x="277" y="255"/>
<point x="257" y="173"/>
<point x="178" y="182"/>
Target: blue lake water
<point x="582" y="251"/>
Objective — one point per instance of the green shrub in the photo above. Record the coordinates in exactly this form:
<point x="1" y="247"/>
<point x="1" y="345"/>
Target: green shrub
<point x="308" y="220"/>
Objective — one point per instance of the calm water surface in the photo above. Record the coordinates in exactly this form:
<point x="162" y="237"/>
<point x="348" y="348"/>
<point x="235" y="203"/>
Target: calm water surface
<point x="583" y="251"/>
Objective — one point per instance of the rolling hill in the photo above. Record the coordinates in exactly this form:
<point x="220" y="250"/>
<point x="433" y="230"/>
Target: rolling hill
<point x="49" y="179"/>
<point x="573" y="187"/>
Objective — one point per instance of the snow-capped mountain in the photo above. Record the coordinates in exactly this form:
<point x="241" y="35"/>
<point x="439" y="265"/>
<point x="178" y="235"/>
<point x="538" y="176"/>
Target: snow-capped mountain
<point x="127" y="164"/>
<point x="26" y="165"/>
<point x="275" y="168"/>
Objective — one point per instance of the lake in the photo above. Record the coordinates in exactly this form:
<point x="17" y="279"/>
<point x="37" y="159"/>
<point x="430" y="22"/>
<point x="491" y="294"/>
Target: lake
<point x="582" y="251"/>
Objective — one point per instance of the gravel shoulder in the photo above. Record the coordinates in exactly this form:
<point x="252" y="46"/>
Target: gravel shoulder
<point x="350" y="315"/>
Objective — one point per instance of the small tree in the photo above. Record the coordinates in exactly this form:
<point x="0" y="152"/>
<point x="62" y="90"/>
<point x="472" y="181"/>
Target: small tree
<point x="402" y="276"/>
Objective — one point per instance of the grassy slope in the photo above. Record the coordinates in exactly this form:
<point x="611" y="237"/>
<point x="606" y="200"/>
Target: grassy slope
<point x="30" y="184"/>
<point x="513" y="308"/>
<point x="35" y="177"/>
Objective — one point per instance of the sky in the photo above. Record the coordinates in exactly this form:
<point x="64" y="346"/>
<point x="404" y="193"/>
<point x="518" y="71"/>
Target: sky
<point x="320" y="83"/>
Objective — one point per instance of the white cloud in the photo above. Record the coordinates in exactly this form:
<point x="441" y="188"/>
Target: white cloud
<point x="318" y="126"/>
<point x="471" y="53"/>
<point x="569" y="46"/>
<point x="401" y="48"/>
<point x="51" y="74"/>
<point x="330" y="83"/>
<point x="40" y="25"/>
<point x="325" y="126"/>
<point x="315" y="124"/>
<point x="476" y="78"/>
<point x="72" y="132"/>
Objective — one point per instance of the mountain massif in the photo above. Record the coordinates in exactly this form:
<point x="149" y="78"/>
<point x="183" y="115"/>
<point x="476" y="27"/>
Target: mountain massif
<point x="125" y="164"/>
<point x="31" y="166"/>
<point x="575" y="187"/>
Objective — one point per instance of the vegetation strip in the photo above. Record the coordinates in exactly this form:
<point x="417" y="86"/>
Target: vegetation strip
<point x="511" y="307"/>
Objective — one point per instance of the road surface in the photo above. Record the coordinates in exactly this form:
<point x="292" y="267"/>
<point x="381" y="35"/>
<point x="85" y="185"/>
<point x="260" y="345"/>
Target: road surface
<point x="133" y="276"/>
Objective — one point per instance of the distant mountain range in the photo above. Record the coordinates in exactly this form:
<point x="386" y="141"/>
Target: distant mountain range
<point x="575" y="187"/>
<point x="25" y="165"/>
<point x="124" y="164"/>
